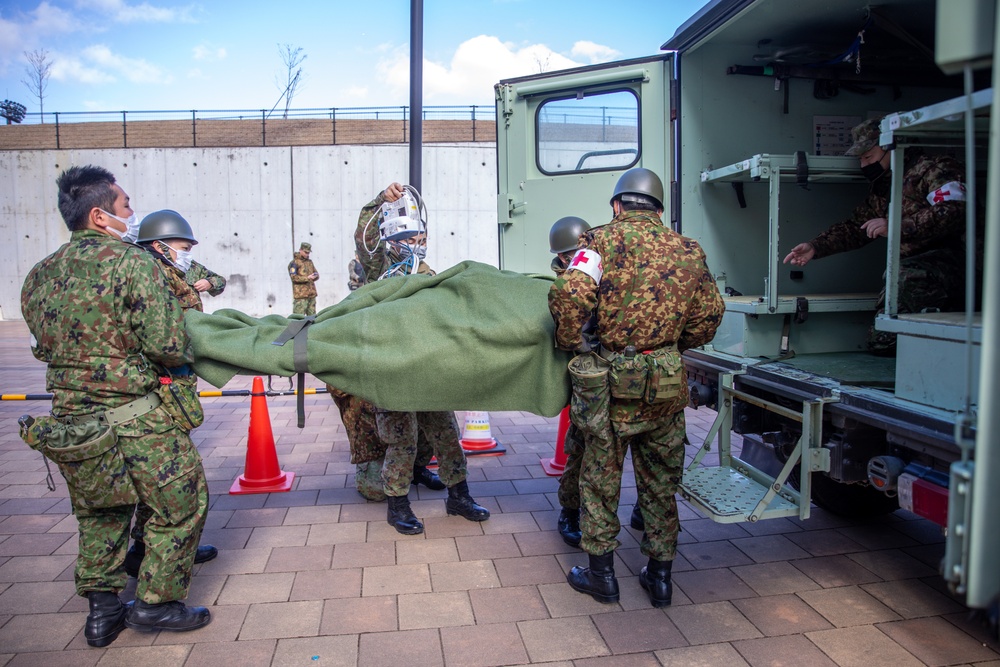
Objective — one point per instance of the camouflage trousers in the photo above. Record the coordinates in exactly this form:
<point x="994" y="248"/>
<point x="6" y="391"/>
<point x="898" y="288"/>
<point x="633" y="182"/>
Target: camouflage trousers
<point x="401" y="431"/>
<point x="931" y="281"/>
<point x="368" y="475"/>
<point x="658" y="457"/>
<point x="569" y="481"/>
<point x="166" y="470"/>
<point x="305" y="306"/>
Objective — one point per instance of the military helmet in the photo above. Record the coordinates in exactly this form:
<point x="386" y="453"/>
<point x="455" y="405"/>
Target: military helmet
<point x="641" y="182"/>
<point x="165" y="224"/>
<point x="865" y="136"/>
<point x="565" y="232"/>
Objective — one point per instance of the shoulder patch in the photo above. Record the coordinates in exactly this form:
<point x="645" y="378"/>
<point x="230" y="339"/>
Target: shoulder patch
<point x="951" y="191"/>
<point x="589" y="262"/>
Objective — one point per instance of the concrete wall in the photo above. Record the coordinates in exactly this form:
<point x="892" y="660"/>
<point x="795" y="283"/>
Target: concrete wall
<point x="250" y="207"/>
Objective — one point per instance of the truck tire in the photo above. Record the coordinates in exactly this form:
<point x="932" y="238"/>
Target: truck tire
<point x="851" y="500"/>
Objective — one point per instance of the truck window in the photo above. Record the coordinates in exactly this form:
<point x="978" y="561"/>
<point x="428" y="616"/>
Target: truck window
<point x="593" y="132"/>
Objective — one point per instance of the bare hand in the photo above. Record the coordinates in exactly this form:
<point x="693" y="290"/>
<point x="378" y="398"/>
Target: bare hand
<point x="800" y="254"/>
<point x="202" y="285"/>
<point x="393" y="192"/>
<point x="876" y="227"/>
<point x="314" y="276"/>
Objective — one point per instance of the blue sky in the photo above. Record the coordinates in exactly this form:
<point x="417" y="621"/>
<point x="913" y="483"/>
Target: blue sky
<point x="111" y="55"/>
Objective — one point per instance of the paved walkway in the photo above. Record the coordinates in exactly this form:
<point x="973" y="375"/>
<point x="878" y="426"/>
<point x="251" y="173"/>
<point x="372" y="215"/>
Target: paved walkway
<point x="316" y="576"/>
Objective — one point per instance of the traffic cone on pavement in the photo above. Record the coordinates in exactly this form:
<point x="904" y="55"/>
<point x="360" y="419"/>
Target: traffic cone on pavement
<point x="555" y="466"/>
<point x="261" y="473"/>
<point x="477" y="440"/>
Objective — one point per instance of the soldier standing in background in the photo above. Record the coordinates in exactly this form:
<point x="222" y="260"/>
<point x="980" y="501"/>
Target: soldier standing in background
<point x="400" y="431"/>
<point x="355" y="274"/>
<point x="304" y="276"/>
<point x="101" y="316"/>
<point x="932" y="238"/>
<point x="653" y="297"/>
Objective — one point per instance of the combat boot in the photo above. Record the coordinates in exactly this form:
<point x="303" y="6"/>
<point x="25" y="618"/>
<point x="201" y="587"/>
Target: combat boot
<point x="655" y="580"/>
<point x="174" y="616"/>
<point x="461" y="503"/>
<point x="429" y="478"/>
<point x="569" y="526"/>
<point x="401" y="517"/>
<point x="598" y="580"/>
<point x="136" y="552"/>
<point x="636" y="521"/>
<point x="106" y="618"/>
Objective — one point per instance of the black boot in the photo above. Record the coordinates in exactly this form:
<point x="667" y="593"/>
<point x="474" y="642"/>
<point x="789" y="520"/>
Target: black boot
<point x="655" y="580"/>
<point x="637" y="521"/>
<point x="569" y="526"/>
<point x="106" y="618"/>
<point x="461" y="503"/>
<point x="136" y="552"/>
<point x="401" y="517"/>
<point x="174" y="616"/>
<point x="598" y="580"/>
<point x="429" y="478"/>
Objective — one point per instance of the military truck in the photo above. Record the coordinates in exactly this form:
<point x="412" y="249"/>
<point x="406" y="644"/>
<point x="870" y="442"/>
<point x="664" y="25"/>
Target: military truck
<point x="746" y="114"/>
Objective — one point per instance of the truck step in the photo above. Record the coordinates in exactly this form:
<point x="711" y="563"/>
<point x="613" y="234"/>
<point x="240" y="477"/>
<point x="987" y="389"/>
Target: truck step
<point x="727" y="495"/>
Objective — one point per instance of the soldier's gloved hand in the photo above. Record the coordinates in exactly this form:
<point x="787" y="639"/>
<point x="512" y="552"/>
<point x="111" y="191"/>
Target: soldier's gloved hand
<point x="588" y="343"/>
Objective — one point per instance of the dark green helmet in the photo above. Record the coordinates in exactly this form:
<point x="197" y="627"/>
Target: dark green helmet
<point x="565" y="232"/>
<point x="642" y="183"/>
<point x="165" y="224"/>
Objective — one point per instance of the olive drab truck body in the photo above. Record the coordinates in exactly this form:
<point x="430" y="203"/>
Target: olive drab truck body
<point x="745" y="114"/>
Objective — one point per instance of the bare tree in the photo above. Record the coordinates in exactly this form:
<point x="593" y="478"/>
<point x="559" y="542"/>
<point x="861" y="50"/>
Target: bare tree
<point x="37" y="79"/>
<point x="289" y="79"/>
<point x="542" y="65"/>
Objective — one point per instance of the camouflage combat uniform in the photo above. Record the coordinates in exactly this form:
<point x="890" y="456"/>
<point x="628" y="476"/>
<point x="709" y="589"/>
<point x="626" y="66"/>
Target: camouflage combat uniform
<point x="367" y="450"/>
<point x="182" y="287"/>
<point x="355" y="275"/>
<point x="656" y="291"/>
<point x="199" y="272"/>
<point x="932" y="243"/>
<point x="303" y="287"/>
<point x="100" y="314"/>
<point x="400" y="431"/>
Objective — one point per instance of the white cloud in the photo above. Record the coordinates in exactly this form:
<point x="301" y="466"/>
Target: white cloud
<point x="477" y="65"/>
<point x="27" y="31"/>
<point x="595" y="53"/>
<point x="71" y="69"/>
<point x="121" y="11"/>
<point x="207" y="52"/>
<point x="134" y="70"/>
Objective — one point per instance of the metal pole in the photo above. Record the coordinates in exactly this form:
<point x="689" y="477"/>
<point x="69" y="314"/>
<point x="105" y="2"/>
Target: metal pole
<point x="57" y="130"/>
<point x="194" y="131"/>
<point x="124" y="131"/>
<point x="416" y="91"/>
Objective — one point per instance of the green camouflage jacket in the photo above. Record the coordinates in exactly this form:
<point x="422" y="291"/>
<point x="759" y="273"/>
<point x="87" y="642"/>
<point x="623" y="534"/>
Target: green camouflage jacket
<point x="370" y="246"/>
<point x="651" y="288"/>
<point x="199" y="271"/>
<point x="299" y="270"/>
<point x="933" y="209"/>
<point x="99" y="310"/>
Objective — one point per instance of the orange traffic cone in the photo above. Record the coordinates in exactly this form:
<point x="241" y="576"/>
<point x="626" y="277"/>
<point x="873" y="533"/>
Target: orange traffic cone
<point x="556" y="465"/>
<point x="261" y="473"/>
<point x="477" y="440"/>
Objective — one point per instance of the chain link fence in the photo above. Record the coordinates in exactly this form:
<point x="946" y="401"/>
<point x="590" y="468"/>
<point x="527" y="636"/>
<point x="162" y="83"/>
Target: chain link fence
<point x="241" y="128"/>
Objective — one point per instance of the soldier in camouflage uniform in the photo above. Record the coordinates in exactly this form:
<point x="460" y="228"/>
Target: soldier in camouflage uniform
<point x="384" y="257"/>
<point x="168" y="237"/>
<point x="304" y="276"/>
<point x="653" y="297"/>
<point x="355" y="274"/>
<point x="101" y="316"/>
<point x="932" y="241"/>
<point x="563" y="238"/>
<point x="368" y="452"/>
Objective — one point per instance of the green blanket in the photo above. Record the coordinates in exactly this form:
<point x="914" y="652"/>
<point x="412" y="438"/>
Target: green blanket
<point x="469" y="338"/>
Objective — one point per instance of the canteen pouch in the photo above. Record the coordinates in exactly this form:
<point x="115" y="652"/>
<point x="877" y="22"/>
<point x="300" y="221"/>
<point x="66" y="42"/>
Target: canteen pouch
<point x="590" y="405"/>
<point x="93" y="465"/>
<point x="179" y="396"/>
<point x="628" y="376"/>
<point x="666" y="381"/>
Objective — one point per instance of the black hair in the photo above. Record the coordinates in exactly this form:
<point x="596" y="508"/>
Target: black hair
<point x="81" y="190"/>
<point x="638" y="203"/>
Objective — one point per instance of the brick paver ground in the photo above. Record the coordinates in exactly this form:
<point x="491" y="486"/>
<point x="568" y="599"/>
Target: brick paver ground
<point x="317" y="577"/>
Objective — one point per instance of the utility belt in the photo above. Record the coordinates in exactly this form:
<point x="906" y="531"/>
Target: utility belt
<point x="85" y="449"/>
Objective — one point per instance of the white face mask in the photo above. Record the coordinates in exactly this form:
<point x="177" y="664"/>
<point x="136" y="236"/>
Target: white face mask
<point x="184" y="258"/>
<point x="131" y="227"/>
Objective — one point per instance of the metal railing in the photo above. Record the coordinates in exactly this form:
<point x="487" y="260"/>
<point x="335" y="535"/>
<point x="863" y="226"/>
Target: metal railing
<point x="254" y="127"/>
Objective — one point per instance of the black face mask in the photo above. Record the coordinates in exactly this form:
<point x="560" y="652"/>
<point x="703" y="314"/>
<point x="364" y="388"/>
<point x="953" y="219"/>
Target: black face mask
<point x="873" y="171"/>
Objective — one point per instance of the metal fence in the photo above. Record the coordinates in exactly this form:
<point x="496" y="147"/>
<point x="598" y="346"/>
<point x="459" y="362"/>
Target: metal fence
<point x="260" y="127"/>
